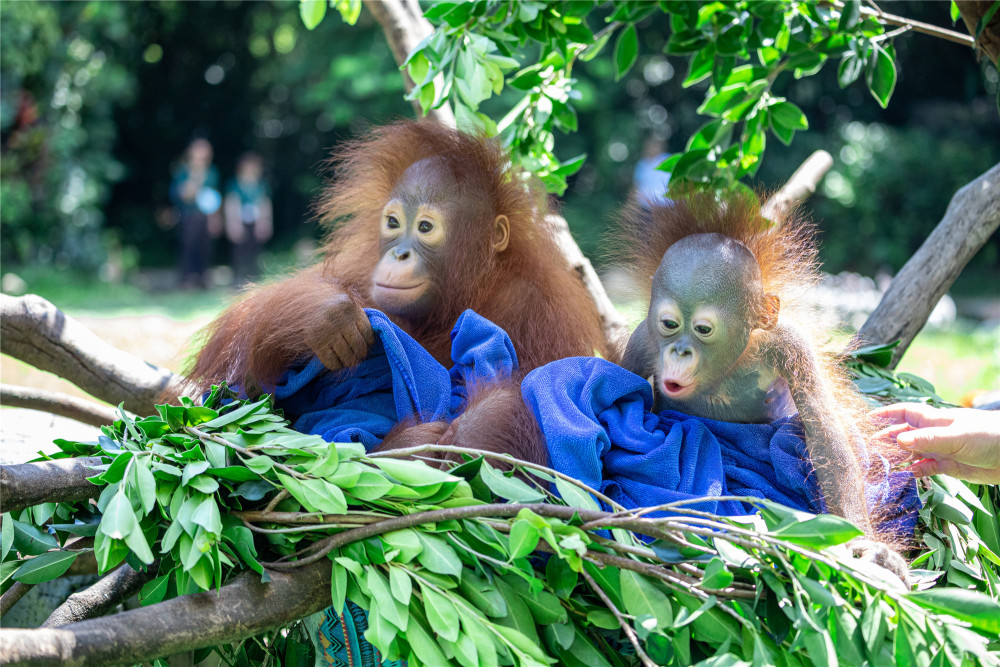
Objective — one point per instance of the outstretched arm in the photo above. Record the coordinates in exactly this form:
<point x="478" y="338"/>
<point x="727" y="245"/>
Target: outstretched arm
<point x="831" y="448"/>
<point x="275" y="326"/>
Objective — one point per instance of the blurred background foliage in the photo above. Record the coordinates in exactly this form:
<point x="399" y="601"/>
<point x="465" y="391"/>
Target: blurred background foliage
<point x="99" y="100"/>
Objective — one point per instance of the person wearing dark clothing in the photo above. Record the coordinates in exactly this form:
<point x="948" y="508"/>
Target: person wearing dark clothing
<point x="248" y="216"/>
<point x="195" y="196"/>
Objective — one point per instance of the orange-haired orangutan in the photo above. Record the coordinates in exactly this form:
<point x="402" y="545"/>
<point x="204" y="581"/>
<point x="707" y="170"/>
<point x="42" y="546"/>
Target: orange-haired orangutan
<point x="721" y="341"/>
<point x="427" y="223"/>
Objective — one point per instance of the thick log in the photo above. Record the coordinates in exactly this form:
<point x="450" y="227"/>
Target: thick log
<point x="57" y="403"/>
<point x="242" y="608"/>
<point x="110" y="591"/>
<point x="62" y="480"/>
<point x="404" y="26"/>
<point x="38" y="333"/>
<point x="972" y="216"/>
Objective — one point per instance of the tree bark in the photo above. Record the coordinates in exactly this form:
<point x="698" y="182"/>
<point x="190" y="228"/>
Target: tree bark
<point x="972" y="216"/>
<point x="615" y="326"/>
<point x="800" y="186"/>
<point x="242" y="608"/>
<point x="103" y="596"/>
<point x="62" y="480"/>
<point x="988" y="41"/>
<point x="56" y="403"/>
<point x="13" y="595"/>
<point x="404" y="26"/>
<point x="38" y="333"/>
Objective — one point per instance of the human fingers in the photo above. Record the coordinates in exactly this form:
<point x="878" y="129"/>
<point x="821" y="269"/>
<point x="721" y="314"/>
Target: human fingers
<point x="918" y="415"/>
<point x="954" y="469"/>
<point x="890" y="433"/>
<point x="944" y="441"/>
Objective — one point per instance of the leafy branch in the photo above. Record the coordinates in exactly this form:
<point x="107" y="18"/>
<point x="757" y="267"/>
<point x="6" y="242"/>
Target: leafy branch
<point x="474" y="565"/>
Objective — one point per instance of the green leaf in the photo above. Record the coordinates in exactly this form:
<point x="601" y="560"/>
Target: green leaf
<point x="423" y="644"/>
<point x="207" y="516"/>
<point x="971" y="606"/>
<point x="626" y="51"/>
<point x="849" y="15"/>
<point x="438" y="556"/>
<point x="574" y="496"/>
<point x="824" y="530"/>
<point x="400" y="585"/>
<point x="193" y="469"/>
<point x="413" y="473"/>
<point x="338" y="586"/>
<point x="6" y="535"/>
<point x="48" y="566"/>
<point x="788" y="115"/>
<point x="119" y="520"/>
<point x="643" y="598"/>
<point x="881" y="74"/>
<point x="523" y="539"/>
<point x="508" y="487"/>
<point x="370" y="486"/>
<point x="237" y="414"/>
<point x="954" y="11"/>
<point x="406" y="541"/>
<point x="441" y="614"/>
<point x="716" y="575"/>
<point x="146" y="484"/>
<point x="312" y="12"/>
<point x="154" y="591"/>
<point x="30" y="541"/>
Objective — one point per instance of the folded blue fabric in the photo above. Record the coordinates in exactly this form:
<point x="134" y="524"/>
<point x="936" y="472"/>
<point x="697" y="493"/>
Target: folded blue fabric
<point x="398" y="380"/>
<point x="598" y="427"/>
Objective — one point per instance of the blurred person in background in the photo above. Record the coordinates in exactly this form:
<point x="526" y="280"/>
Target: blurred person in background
<point x="650" y="183"/>
<point x="194" y="192"/>
<point x="248" y="216"/>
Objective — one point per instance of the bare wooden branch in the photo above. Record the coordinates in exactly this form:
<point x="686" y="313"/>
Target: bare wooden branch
<point x="38" y="333"/>
<point x="615" y="327"/>
<point x="63" y="480"/>
<point x="800" y="186"/>
<point x="972" y="216"/>
<point x="109" y="592"/>
<point x="404" y="26"/>
<point x="57" y="403"/>
<point x="13" y="595"/>
<point x="242" y="608"/>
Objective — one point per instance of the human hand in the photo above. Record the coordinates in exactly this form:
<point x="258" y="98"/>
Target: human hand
<point x="959" y="442"/>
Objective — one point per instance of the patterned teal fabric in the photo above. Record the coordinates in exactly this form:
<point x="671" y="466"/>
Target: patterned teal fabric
<point x="340" y="640"/>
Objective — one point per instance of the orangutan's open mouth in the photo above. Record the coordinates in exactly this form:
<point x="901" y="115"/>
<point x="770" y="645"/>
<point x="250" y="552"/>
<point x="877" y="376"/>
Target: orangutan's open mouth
<point x="676" y="389"/>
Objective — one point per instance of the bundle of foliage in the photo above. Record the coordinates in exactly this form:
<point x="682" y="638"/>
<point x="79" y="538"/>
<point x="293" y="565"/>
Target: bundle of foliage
<point x="477" y="566"/>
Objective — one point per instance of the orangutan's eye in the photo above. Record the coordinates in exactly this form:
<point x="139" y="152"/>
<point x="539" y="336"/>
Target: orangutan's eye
<point x="670" y="325"/>
<point x="703" y="329"/>
<point x="391" y="222"/>
<point x="425" y="226"/>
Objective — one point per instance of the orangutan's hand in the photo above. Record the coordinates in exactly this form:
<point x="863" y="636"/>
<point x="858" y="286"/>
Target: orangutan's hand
<point x="341" y="335"/>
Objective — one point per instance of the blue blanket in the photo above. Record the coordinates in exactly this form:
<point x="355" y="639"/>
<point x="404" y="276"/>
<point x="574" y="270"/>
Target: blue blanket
<point x="398" y="381"/>
<point x="597" y="423"/>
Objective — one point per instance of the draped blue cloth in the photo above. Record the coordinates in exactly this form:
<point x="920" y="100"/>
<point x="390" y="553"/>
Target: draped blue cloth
<point x="598" y="427"/>
<point x="398" y="380"/>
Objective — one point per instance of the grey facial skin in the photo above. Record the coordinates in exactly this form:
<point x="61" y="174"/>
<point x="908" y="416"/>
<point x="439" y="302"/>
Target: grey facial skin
<point x="705" y="302"/>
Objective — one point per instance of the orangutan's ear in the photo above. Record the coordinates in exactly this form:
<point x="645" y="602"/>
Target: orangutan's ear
<point x="770" y="305"/>
<point x="501" y="233"/>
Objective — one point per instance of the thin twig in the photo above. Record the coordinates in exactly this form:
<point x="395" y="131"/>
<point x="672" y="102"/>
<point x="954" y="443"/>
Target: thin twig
<point x="242" y="450"/>
<point x="919" y="26"/>
<point x="278" y="497"/>
<point x="407" y="451"/>
<point x="626" y="627"/>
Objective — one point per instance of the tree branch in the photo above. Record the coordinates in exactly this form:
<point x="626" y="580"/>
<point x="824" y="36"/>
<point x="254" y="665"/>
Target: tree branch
<point x="988" y="41"/>
<point x="799" y="187"/>
<point x="62" y="480"/>
<point x="57" y="403"/>
<point x="106" y="594"/>
<point x="972" y="216"/>
<point x="38" y="333"/>
<point x="242" y="608"/>
<point x="13" y="595"/>
<point x="615" y="327"/>
<point x="404" y="26"/>
<point x="918" y="26"/>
